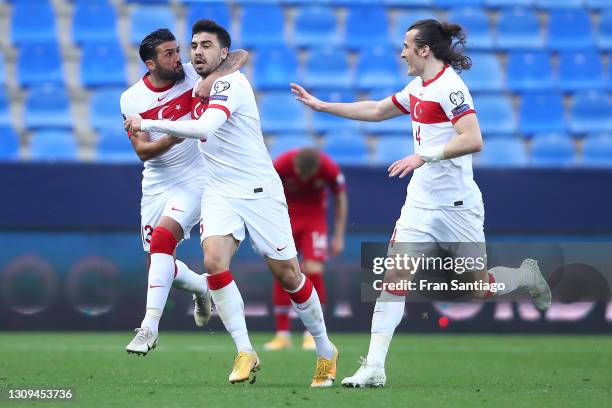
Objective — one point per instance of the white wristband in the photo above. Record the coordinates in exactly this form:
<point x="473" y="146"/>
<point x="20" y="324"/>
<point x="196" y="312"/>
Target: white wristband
<point x="432" y="154"/>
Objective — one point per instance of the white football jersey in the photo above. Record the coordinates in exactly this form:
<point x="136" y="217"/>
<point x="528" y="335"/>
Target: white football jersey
<point x="182" y="162"/>
<point x="236" y="159"/>
<point x="434" y="106"/>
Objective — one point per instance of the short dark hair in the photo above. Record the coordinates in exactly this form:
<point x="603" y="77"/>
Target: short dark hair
<point x="148" y="46"/>
<point x="209" y="26"/>
<point x="439" y="37"/>
<point x="307" y="160"/>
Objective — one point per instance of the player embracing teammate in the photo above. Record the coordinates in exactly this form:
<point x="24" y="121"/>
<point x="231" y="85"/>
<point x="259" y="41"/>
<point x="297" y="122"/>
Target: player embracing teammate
<point x="242" y="191"/>
<point x="443" y="203"/>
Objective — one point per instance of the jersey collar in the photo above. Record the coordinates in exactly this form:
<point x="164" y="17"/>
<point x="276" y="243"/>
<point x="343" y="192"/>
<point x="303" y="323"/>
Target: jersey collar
<point x="438" y="75"/>
<point x="152" y="87"/>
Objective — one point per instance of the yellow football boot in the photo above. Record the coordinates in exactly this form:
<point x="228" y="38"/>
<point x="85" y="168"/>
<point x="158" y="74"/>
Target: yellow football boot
<point x="246" y="363"/>
<point x="325" y="373"/>
<point x="279" y="342"/>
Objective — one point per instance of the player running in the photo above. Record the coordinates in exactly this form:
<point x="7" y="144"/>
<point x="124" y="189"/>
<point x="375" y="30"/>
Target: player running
<point x="172" y="183"/>
<point x="242" y="191"/>
<point x="443" y="203"/>
<point x="305" y="174"/>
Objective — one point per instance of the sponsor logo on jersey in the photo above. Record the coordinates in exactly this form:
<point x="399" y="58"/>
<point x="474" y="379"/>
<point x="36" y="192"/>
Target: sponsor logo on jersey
<point x="460" y="109"/>
<point x="221" y="86"/>
<point x="218" y="98"/>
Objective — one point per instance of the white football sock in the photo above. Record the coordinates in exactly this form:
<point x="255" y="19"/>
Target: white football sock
<point x="512" y="278"/>
<point x="387" y="315"/>
<point x="161" y="273"/>
<point x="311" y="314"/>
<point x="230" y="307"/>
<point x="188" y="280"/>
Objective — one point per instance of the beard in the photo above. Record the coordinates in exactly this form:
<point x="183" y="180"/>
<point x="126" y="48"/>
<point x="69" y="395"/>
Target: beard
<point x="177" y="74"/>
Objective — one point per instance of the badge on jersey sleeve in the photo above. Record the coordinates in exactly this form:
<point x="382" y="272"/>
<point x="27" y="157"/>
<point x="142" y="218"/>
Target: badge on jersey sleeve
<point x="220" y="86"/>
<point x="458" y="99"/>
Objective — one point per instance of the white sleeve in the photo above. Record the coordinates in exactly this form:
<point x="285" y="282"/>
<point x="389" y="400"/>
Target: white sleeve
<point x="402" y="100"/>
<point x="209" y="122"/>
<point x="457" y="101"/>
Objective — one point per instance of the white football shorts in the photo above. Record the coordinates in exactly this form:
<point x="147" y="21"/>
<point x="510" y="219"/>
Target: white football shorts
<point x="266" y="219"/>
<point x="180" y="202"/>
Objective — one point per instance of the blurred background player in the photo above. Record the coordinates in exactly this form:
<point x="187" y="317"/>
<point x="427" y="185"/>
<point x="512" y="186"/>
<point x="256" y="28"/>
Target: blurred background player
<point x="306" y="175"/>
<point x="443" y="203"/>
<point x="173" y="179"/>
<point x="243" y="191"/>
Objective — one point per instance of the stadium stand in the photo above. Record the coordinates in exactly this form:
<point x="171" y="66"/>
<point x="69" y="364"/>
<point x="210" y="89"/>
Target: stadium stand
<point x="9" y="144"/>
<point x="94" y="21"/>
<point x="115" y="147"/>
<point x="284" y="142"/>
<point x="553" y="149"/>
<point x="597" y="150"/>
<point x="539" y="66"/>
<point x="541" y="112"/>
<point x="279" y="113"/>
<point x="392" y="147"/>
<point x="347" y="147"/>
<point x="274" y="68"/>
<point x="51" y="145"/>
<point x="503" y="152"/>
<point x="48" y="107"/>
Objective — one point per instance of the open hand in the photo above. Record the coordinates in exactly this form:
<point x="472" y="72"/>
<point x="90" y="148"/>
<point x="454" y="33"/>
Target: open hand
<point x="405" y="165"/>
<point x="307" y="99"/>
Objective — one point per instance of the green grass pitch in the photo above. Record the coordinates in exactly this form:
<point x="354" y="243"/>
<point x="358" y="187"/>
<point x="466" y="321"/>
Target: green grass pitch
<point x="191" y="369"/>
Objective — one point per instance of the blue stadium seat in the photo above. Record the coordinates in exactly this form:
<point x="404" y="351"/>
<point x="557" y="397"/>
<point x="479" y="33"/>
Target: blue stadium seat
<point x="598" y="4"/>
<point x="30" y="70"/>
<point x="475" y="22"/>
<point x="541" y="112"/>
<point x="284" y="142"/>
<point x="53" y="145"/>
<point x="401" y="124"/>
<point x="217" y="11"/>
<point x="325" y="122"/>
<point x="300" y="2"/>
<point x="554" y="149"/>
<point x="9" y="144"/>
<point x="557" y="4"/>
<point x="103" y="65"/>
<point x="580" y="70"/>
<point x="569" y="29"/>
<point x="366" y="26"/>
<point x="105" y="111"/>
<point x="347" y="147"/>
<point x="390" y="148"/>
<point x="328" y="68"/>
<point x="262" y="26"/>
<point x="529" y="70"/>
<point x="508" y="3"/>
<point x="519" y="28"/>
<point x="2" y="69"/>
<point x="315" y="26"/>
<point x="453" y="3"/>
<point x="404" y="20"/>
<point x="148" y="1"/>
<point x="33" y="22"/>
<point x="47" y="107"/>
<point x="591" y="111"/>
<point x="495" y="114"/>
<point x="275" y="68"/>
<point x="604" y="32"/>
<point x="597" y="150"/>
<point x="408" y="3"/>
<point x="502" y="152"/>
<point x="5" y="108"/>
<point x="94" y="21"/>
<point x="486" y="74"/>
<point x="115" y="147"/>
<point x="145" y="19"/>
<point x="379" y="67"/>
<point x="280" y="112"/>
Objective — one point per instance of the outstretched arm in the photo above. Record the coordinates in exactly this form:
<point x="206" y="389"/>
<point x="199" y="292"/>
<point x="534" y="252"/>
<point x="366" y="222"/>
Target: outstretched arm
<point x="234" y="61"/>
<point x="341" y="212"/>
<point x="209" y="122"/>
<point x="371" y="111"/>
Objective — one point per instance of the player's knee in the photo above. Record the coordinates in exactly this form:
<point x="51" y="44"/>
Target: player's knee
<point x="215" y="263"/>
<point x="288" y="274"/>
<point x="162" y="241"/>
